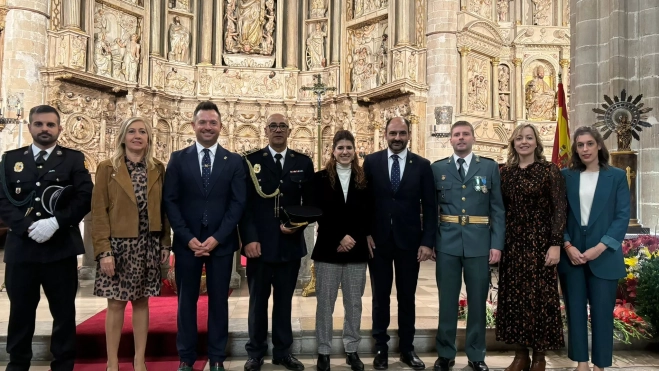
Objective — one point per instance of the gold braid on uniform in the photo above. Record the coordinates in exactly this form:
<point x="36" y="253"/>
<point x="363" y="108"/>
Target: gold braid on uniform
<point x="255" y="180"/>
<point x="3" y="179"/>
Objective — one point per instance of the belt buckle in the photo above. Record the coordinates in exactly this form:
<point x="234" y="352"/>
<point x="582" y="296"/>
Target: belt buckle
<point x="464" y="219"/>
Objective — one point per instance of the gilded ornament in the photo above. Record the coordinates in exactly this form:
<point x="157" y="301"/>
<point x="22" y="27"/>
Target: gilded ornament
<point x="257" y="168"/>
<point x="623" y="116"/>
<point x="18" y="167"/>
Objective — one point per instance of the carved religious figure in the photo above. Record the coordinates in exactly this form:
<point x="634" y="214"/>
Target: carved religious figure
<point x="250" y="23"/>
<point x="398" y="66"/>
<point x="504" y="106"/>
<point x="540" y="97"/>
<point x="482" y="7"/>
<point x="316" y="47"/>
<point x="231" y="35"/>
<point x="268" y="40"/>
<point x="541" y="12"/>
<point x="504" y="78"/>
<point x="204" y="81"/>
<point x="179" y="42"/>
<point x="318" y="8"/>
<point x="132" y="59"/>
<point x="78" y="49"/>
<point x="291" y="86"/>
<point x="411" y="66"/>
<point x="382" y="61"/>
<point x="183" y="4"/>
<point x="102" y="56"/>
<point x="502" y="10"/>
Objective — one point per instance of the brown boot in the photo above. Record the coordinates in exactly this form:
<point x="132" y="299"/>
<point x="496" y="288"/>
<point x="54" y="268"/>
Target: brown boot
<point x="539" y="362"/>
<point x="522" y="362"/>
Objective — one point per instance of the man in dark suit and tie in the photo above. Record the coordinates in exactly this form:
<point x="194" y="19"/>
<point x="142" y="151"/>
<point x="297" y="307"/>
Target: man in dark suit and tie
<point x="403" y="189"/>
<point x="278" y="177"/>
<point x="204" y="198"/>
<point x="43" y="240"/>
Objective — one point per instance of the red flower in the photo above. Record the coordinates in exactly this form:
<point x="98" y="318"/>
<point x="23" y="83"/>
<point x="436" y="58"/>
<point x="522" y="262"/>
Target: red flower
<point x="462" y="303"/>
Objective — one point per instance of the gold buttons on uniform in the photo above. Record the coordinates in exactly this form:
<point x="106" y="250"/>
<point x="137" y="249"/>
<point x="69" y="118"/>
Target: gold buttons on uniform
<point x="464" y="186"/>
<point x="464" y="199"/>
<point x="38" y="213"/>
<point x="464" y="211"/>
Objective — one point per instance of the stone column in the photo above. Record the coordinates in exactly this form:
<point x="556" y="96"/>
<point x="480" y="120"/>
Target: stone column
<point x="565" y="65"/>
<point x="156" y="27"/>
<point x="464" y="52"/>
<point x="71" y="13"/>
<point x="519" y="89"/>
<point x="403" y="22"/>
<point x="495" y="88"/>
<point x="376" y="136"/>
<point x="336" y="32"/>
<point x="292" y="34"/>
<point x="206" y="33"/>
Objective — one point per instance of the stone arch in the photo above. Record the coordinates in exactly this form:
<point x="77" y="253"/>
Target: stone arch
<point x="186" y="129"/>
<point x="547" y="61"/>
<point x="163" y="126"/>
<point x="485" y="29"/>
<point x="302" y="133"/>
<point x="327" y="132"/>
<point x="90" y="162"/>
<point x="247" y="131"/>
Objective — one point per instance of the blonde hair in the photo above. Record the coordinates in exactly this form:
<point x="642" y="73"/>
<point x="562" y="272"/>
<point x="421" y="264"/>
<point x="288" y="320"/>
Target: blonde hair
<point x="120" y="146"/>
<point x="513" y="156"/>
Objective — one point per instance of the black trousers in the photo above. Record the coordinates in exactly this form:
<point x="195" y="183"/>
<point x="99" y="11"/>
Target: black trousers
<point x="386" y="259"/>
<point x="188" y="279"/>
<point x="60" y="284"/>
<point x="261" y="277"/>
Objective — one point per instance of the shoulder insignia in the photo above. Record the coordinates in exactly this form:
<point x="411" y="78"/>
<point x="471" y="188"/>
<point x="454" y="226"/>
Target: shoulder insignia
<point x="296" y="153"/>
<point x="249" y="152"/>
<point x="22" y="149"/>
<point x="441" y="159"/>
<point x="487" y="158"/>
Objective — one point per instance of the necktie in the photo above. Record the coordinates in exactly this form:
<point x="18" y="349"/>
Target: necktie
<point x="395" y="173"/>
<point x="40" y="159"/>
<point x="461" y="169"/>
<point x="205" y="179"/>
<point x="278" y="157"/>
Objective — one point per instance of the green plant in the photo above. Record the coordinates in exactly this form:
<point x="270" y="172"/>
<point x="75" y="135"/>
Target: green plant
<point x="647" y="292"/>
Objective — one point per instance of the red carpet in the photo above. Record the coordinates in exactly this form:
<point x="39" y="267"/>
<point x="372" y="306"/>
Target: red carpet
<point x="159" y="364"/>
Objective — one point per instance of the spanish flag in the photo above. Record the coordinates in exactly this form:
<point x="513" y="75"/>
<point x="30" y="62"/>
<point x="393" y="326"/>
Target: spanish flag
<point x="561" y="153"/>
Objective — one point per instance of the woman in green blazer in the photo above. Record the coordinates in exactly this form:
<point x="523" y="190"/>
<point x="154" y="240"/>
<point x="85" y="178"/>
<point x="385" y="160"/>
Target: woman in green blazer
<point x="591" y="261"/>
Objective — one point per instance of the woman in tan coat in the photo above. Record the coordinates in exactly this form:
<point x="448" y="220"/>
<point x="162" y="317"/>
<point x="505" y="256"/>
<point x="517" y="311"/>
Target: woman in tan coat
<point x="131" y="235"/>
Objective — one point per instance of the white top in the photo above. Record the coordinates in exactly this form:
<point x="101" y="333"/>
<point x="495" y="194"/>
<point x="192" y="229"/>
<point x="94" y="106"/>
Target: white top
<point x="283" y="155"/>
<point x="587" y="185"/>
<point x="401" y="161"/>
<point x="200" y="154"/>
<point x="467" y="159"/>
<point x="344" y="172"/>
<point x="36" y="150"/>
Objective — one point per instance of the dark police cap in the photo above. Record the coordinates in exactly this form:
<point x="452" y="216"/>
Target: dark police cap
<point x="56" y="198"/>
<point x="297" y="216"/>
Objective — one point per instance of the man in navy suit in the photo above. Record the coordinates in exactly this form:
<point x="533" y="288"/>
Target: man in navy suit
<point x="204" y="197"/>
<point x="403" y="189"/>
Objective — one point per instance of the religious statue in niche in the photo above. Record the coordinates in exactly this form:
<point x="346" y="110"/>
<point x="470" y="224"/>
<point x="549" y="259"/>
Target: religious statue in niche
<point x="204" y="82"/>
<point x="250" y="26"/>
<point x="504" y="78"/>
<point x="291" y="85"/>
<point x="482" y="7"/>
<point x="318" y="8"/>
<point x="411" y="66"/>
<point x="316" y="47"/>
<point x="382" y="61"/>
<point x="504" y="106"/>
<point x="268" y="40"/>
<point x="179" y="42"/>
<point x="102" y="56"/>
<point x="502" y="10"/>
<point x="116" y="49"/>
<point x="362" y="70"/>
<point x="398" y="66"/>
<point x="540" y="97"/>
<point x="132" y="59"/>
<point x="477" y="86"/>
<point x="541" y="12"/>
<point x="78" y="49"/>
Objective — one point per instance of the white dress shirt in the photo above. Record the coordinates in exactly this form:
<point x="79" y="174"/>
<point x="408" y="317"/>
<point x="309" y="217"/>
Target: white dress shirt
<point x="587" y="186"/>
<point x="36" y="150"/>
<point x="283" y="155"/>
<point x="401" y="161"/>
<point x="200" y="154"/>
<point x="344" y="172"/>
<point x="465" y="166"/>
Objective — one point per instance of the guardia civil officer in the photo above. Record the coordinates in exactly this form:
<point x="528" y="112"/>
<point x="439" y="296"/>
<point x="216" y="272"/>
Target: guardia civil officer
<point x="277" y="177"/>
<point x="46" y="191"/>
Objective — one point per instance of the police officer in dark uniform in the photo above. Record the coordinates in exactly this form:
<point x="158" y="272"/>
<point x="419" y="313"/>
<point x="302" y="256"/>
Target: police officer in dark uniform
<point x="46" y="192"/>
<point x="277" y="177"/>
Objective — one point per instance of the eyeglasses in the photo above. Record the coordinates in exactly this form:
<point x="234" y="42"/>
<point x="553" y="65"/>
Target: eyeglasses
<point x="281" y="127"/>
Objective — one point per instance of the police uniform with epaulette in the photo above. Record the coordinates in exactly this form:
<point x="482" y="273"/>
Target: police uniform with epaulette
<point x="471" y="223"/>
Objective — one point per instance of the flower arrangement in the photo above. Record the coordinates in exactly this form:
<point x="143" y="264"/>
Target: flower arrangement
<point x="635" y="252"/>
<point x="490" y="312"/>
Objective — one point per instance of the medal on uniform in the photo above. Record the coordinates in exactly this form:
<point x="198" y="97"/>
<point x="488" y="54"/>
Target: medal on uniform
<point x="18" y="190"/>
<point x="478" y="183"/>
<point x="257" y="168"/>
<point x="484" y="187"/>
<point x="18" y="167"/>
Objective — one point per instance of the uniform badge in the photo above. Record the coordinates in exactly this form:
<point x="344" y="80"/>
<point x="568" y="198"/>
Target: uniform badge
<point x="257" y="168"/>
<point x="59" y="153"/>
<point x="18" y="167"/>
<point x="225" y="157"/>
<point x="265" y="154"/>
<point x="443" y="177"/>
<point x="480" y="184"/>
<point x="18" y="190"/>
<point x="292" y="154"/>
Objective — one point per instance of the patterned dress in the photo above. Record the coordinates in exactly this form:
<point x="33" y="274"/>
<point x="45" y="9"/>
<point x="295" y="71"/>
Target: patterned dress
<point x="528" y="308"/>
<point x="136" y="260"/>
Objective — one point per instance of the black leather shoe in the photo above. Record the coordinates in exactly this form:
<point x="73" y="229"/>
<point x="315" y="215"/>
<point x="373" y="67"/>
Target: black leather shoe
<point x="478" y="366"/>
<point x="444" y="364"/>
<point x="323" y="363"/>
<point x="381" y="361"/>
<point x="412" y="360"/>
<point x="253" y="364"/>
<point x="355" y="363"/>
<point x="290" y="362"/>
<point x="184" y="367"/>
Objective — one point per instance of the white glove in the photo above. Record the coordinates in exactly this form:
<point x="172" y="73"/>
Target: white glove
<point x="42" y="230"/>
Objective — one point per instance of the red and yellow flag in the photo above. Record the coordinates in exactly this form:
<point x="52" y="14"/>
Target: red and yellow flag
<point x="561" y="153"/>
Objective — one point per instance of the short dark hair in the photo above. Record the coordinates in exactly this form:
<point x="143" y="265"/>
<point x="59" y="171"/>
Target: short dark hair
<point x="602" y="154"/>
<point x="206" y="106"/>
<point x="462" y="123"/>
<point x="44" y="108"/>
<point x="406" y="121"/>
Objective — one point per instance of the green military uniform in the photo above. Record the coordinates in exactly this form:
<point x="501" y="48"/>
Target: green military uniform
<point x="472" y="221"/>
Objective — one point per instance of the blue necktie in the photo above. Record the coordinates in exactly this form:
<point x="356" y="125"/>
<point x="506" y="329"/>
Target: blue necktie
<point x="395" y="173"/>
<point x="205" y="179"/>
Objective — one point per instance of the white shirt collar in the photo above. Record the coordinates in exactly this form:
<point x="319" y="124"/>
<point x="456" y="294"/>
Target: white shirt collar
<point x="200" y="148"/>
<point x="402" y="155"/>
<point x="273" y="152"/>
<point x="36" y="150"/>
<point x="467" y="158"/>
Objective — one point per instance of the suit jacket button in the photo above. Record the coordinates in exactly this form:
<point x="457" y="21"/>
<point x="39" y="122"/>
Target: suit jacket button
<point x="464" y="211"/>
<point x="37" y="199"/>
<point x="38" y="184"/>
<point x="464" y="186"/>
<point x="38" y="213"/>
<point x="464" y="199"/>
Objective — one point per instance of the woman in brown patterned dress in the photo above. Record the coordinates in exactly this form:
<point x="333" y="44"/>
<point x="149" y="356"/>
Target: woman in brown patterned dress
<point x="528" y="311"/>
<point x="130" y="234"/>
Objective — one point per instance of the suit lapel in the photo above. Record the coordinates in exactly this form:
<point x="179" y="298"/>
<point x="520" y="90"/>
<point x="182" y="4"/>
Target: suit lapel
<point x="602" y="190"/>
<point x="410" y="165"/>
<point x="289" y="162"/>
<point x="338" y="190"/>
<point x="218" y="165"/>
<point x="474" y="168"/>
<point x="452" y="169"/>
<point x="28" y="161"/>
<point x="55" y="158"/>
<point x="125" y="182"/>
<point x="193" y="165"/>
<point x="572" y="183"/>
<point x="268" y="160"/>
<point x="152" y="177"/>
